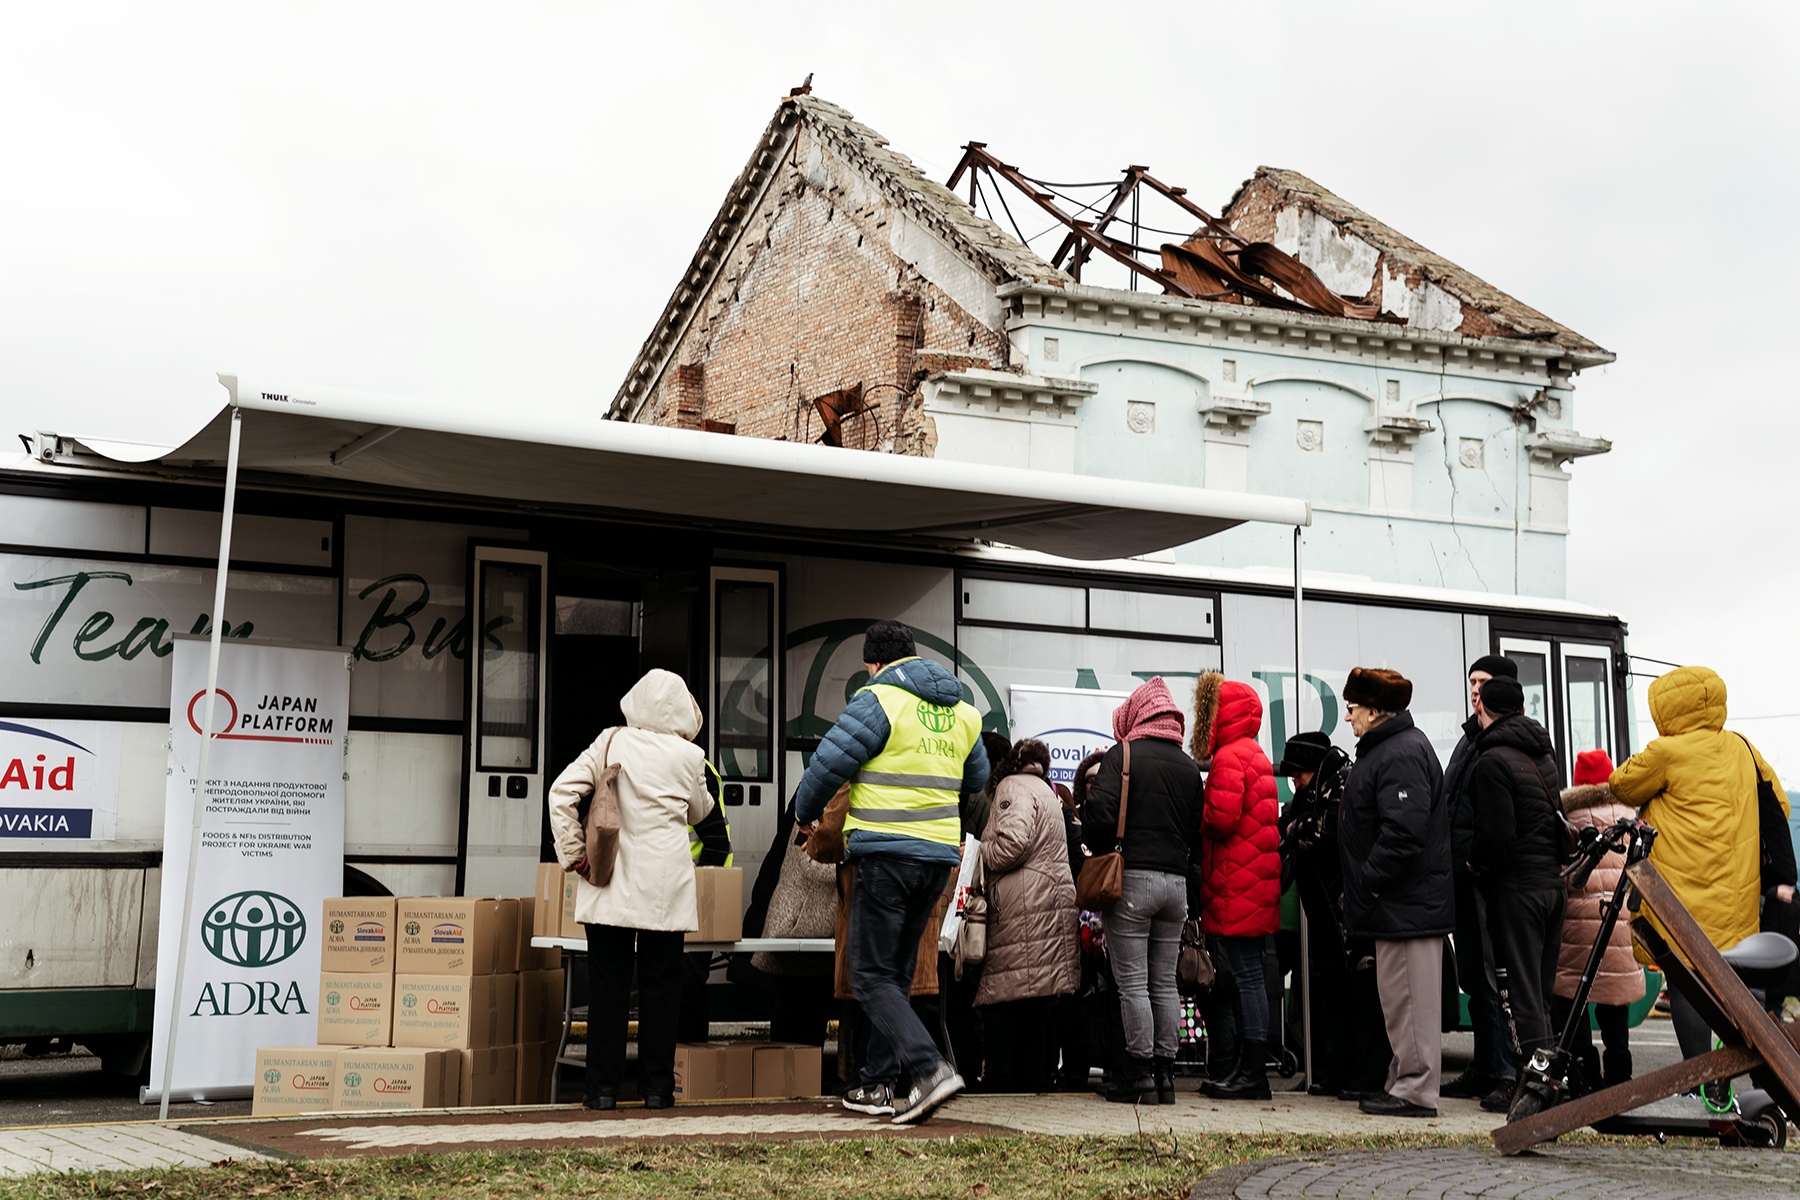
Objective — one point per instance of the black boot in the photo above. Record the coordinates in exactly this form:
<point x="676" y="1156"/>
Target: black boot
<point x="1249" y="1082"/>
<point x="1164" y="1072"/>
<point x="1136" y="1084"/>
<point x="1615" y="1067"/>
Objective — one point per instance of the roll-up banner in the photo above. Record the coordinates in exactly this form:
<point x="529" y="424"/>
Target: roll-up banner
<point x="271" y="852"/>
<point x="1073" y="722"/>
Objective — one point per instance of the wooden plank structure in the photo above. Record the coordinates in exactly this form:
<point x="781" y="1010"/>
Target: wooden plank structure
<point x="1753" y="1042"/>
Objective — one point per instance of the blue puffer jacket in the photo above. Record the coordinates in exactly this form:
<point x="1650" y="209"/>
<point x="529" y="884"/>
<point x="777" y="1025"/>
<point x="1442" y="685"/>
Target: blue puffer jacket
<point x="859" y="735"/>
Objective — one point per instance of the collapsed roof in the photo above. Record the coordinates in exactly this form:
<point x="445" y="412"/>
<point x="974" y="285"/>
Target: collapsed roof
<point x="1356" y="254"/>
<point x="1282" y="242"/>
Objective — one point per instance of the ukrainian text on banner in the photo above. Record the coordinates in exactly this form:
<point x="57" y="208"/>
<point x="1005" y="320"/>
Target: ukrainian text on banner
<point x="271" y="851"/>
<point x="1073" y="722"/>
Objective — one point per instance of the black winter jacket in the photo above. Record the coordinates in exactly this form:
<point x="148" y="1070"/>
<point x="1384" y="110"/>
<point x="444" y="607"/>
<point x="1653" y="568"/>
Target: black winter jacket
<point x="1394" y="837"/>
<point x="1162" y="815"/>
<point x="1458" y="796"/>
<point x="1517" y="826"/>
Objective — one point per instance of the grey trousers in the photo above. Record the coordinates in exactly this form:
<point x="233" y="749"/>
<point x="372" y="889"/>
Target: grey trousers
<point x="1143" y="939"/>
<point x="1410" y="974"/>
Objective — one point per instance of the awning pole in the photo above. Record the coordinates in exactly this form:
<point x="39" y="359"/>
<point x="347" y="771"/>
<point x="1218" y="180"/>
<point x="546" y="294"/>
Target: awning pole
<point x="206" y="738"/>
<point x="1306" y="1031"/>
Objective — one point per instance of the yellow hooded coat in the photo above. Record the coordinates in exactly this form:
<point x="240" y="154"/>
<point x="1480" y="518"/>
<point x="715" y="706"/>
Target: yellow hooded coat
<point x="1697" y="784"/>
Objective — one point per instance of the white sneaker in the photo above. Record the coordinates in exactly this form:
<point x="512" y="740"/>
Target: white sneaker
<point x="927" y="1093"/>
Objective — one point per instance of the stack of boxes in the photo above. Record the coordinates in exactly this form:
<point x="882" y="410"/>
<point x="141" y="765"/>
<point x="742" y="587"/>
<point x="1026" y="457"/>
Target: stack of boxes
<point x="424" y="1002"/>
<point x="746" y="1071"/>
<point x="718" y="901"/>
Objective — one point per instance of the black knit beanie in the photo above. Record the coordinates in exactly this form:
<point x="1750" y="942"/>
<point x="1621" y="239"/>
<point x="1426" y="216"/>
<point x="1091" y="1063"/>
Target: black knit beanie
<point x="1502" y="696"/>
<point x="1495" y="665"/>
<point x="886" y="642"/>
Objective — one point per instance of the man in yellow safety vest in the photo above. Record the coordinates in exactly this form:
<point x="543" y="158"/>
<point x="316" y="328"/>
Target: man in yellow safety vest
<point x="909" y="746"/>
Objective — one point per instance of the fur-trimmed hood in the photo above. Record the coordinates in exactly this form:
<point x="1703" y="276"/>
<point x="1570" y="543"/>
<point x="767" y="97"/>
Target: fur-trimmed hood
<point x="1588" y="795"/>
<point x="1206" y="712"/>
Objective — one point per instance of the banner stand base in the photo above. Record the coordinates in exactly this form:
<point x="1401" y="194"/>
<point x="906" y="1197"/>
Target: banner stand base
<point x="150" y="1095"/>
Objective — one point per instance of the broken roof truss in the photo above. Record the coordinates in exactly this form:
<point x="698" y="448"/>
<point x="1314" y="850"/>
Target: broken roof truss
<point x="1215" y="263"/>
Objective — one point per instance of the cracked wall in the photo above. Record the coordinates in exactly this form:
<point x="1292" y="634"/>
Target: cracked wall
<point x="816" y="298"/>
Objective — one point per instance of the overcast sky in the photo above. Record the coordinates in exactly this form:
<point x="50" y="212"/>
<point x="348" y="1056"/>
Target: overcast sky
<point x="490" y="204"/>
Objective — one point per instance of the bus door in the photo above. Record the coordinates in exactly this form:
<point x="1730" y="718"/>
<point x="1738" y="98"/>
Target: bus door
<point x="744" y="708"/>
<point x="1569" y="690"/>
<point x="504" y="743"/>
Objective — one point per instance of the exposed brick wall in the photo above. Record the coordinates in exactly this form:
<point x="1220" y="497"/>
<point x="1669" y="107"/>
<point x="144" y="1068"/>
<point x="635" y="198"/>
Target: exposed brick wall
<point x="687" y="391"/>
<point x="813" y="300"/>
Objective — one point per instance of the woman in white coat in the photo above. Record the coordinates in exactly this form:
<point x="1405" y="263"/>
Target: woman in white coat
<point x="649" y="903"/>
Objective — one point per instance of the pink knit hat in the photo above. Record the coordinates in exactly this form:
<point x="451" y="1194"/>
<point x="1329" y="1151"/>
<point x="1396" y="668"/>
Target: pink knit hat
<point x="1149" y="712"/>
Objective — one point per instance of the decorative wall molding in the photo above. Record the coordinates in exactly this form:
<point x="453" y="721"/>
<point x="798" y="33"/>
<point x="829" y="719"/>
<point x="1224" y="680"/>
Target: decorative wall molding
<point x="1007" y="396"/>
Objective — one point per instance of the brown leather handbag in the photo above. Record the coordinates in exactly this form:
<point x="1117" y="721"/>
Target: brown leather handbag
<point x="825" y="844"/>
<point x="602" y="830"/>
<point x="1102" y="879"/>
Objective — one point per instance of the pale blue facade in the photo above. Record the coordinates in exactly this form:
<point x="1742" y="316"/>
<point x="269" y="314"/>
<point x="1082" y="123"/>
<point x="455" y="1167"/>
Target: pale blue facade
<point x="1429" y="459"/>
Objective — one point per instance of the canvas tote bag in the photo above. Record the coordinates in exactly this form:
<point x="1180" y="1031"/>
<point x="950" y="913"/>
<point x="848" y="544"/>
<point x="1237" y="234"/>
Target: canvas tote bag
<point x="602" y="829"/>
<point x="1102" y="879"/>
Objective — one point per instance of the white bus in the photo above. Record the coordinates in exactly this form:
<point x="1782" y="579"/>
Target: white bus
<point x="574" y="558"/>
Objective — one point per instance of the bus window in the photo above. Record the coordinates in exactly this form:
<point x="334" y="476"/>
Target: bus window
<point x="1586" y="681"/>
<point x="744" y="714"/>
<point x="1534" y="671"/>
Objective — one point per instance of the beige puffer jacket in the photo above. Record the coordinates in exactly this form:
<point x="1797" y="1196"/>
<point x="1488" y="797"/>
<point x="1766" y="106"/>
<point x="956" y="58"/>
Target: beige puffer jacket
<point x="662" y="790"/>
<point x="1033" y="948"/>
<point x="1620" y="980"/>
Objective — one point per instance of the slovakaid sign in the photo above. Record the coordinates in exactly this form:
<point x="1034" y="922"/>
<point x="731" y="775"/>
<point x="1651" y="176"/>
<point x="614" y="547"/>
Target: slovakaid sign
<point x="59" y="780"/>
<point x="1073" y="722"/>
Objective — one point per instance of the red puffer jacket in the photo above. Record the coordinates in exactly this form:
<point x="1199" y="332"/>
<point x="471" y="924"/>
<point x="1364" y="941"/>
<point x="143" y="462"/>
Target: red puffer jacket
<point x="1240" y="855"/>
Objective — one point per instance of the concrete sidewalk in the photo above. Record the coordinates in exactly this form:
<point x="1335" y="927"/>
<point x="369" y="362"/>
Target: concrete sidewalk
<point x="36" y="1150"/>
<point x="1288" y="1112"/>
<point x="333" y="1135"/>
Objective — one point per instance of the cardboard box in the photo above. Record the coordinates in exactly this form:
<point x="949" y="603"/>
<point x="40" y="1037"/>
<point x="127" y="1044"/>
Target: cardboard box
<point x="292" y="1079"/>
<point x="719" y="899"/>
<point x="714" y="1071"/>
<point x="569" y="927"/>
<point x="450" y="935"/>
<point x="469" y="1012"/>
<point x="489" y="1077"/>
<point x="359" y="935"/>
<point x="540" y="1006"/>
<point x="530" y="957"/>
<point x="785" y="1070"/>
<point x="549" y="899"/>
<point x="356" y="1008"/>
<point x="376" y="1077"/>
<point x="535" y="1061"/>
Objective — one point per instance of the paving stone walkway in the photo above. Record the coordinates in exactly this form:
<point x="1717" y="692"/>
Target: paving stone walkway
<point x="109" y="1148"/>
<point x="1673" y="1172"/>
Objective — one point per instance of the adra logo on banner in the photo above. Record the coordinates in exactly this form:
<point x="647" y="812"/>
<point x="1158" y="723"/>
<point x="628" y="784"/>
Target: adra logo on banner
<point x="253" y="929"/>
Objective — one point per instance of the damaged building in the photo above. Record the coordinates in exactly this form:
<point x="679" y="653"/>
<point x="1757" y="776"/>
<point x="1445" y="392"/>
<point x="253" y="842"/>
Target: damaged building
<point x="1292" y="345"/>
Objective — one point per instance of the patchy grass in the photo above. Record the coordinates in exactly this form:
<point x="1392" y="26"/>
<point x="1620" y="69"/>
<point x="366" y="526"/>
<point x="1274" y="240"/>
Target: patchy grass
<point x="992" y="1168"/>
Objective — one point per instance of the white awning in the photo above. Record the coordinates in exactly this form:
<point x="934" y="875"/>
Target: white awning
<point x="737" y="482"/>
